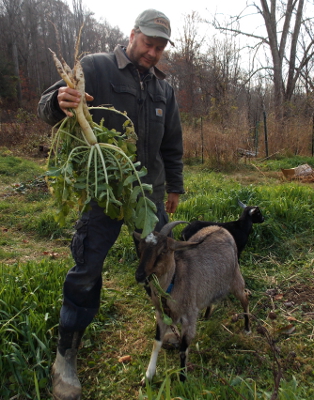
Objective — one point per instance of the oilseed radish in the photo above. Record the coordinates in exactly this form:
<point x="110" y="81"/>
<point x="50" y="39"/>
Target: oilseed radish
<point x="90" y="162"/>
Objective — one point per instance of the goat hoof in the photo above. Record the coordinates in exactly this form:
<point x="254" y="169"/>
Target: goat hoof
<point x="171" y="340"/>
<point x="144" y="380"/>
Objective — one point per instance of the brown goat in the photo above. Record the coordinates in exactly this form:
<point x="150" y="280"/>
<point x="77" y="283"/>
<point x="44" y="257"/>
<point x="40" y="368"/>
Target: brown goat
<point x="195" y="273"/>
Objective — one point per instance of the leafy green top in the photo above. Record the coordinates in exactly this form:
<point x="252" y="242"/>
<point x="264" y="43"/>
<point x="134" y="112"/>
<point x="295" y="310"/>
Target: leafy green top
<point x="106" y="172"/>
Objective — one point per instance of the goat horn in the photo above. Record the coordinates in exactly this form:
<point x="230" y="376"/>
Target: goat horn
<point x="166" y="229"/>
<point x="241" y="204"/>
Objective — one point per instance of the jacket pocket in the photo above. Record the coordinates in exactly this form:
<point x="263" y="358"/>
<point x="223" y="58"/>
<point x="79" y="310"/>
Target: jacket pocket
<point x="77" y="243"/>
<point x="123" y="97"/>
<point x="158" y="104"/>
<point x="123" y="88"/>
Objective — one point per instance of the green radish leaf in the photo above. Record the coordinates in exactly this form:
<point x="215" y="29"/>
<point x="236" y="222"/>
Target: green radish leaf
<point x="146" y="218"/>
<point x="79" y="185"/>
<point x="135" y="193"/>
<point x="167" y="320"/>
<point x="53" y="172"/>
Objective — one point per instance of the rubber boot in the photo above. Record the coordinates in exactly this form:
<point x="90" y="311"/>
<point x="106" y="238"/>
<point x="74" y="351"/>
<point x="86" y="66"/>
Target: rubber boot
<point x="65" y="383"/>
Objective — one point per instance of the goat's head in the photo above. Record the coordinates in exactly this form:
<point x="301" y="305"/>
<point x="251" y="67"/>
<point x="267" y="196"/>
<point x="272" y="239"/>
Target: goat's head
<point x="254" y="212"/>
<point x="256" y="215"/>
<point x="157" y="252"/>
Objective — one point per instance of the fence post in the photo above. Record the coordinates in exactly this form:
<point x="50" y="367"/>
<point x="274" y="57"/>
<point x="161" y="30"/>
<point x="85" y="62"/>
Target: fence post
<point x="256" y="138"/>
<point x="313" y="136"/>
<point x="202" y="141"/>
<point x="265" y="132"/>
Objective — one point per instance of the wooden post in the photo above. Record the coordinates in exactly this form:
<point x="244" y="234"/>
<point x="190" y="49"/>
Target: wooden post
<point x="313" y="136"/>
<point x="265" y="132"/>
<point x="202" y="141"/>
<point x="256" y="138"/>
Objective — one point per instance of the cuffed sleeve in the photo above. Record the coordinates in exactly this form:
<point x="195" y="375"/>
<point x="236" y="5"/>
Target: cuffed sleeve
<point x="48" y="108"/>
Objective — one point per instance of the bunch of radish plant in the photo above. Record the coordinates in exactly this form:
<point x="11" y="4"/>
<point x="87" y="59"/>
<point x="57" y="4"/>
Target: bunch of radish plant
<point x="90" y="162"/>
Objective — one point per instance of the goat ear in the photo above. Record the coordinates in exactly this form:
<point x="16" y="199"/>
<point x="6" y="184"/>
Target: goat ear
<point x="137" y="236"/>
<point x="178" y="245"/>
<point x="253" y="210"/>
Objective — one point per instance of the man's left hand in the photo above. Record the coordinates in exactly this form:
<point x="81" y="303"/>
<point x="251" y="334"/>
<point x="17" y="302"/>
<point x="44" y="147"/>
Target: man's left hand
<point x="172" y="202"/>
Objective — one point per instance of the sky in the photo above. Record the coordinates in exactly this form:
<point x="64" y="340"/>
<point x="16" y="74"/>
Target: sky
<point x="122" y="13"/>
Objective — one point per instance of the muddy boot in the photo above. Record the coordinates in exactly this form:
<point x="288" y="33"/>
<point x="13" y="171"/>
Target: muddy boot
<point x="65" y="383"/>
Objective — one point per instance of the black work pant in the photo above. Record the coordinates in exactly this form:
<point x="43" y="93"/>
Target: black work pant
<point x="95" y="235"/>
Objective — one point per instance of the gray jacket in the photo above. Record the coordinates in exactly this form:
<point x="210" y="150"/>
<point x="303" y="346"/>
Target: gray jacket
<point x="113" y="80"/>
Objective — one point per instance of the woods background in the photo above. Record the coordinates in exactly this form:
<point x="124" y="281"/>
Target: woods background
<point x="229" y="107"/>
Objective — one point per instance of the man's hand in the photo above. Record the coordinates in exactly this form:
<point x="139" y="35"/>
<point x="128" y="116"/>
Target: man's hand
<point x="172" y="202"/>
<point x="70" y="98"/>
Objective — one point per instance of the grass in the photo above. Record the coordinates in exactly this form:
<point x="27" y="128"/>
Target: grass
<point x="275" y="362"/>
<point x="12" y="168"/>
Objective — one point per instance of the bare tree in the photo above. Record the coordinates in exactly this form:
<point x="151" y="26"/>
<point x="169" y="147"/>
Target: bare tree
<point x="27" y="31"/>
<point x="285" y="21"/>
<point x="225" y="79"/>
<point x="12" y="9"/>
<point x="187" y="62"/>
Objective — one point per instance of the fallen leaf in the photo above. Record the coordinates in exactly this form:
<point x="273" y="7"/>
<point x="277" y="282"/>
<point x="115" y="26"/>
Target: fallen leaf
<point x="287" y="330"/>
<point x="50" y="254"/>
<point x="278" y="296"/>
<point x="291" y="319"/>
<point x="125" y="359"/>
<point x="272" y="315"/>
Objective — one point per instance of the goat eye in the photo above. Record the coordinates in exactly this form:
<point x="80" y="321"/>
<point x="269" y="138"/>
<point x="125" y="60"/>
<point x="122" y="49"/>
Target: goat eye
<point x="159" y="257"/>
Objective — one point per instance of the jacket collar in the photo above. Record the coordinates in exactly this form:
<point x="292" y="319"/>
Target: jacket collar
<point x="123" y="61"/>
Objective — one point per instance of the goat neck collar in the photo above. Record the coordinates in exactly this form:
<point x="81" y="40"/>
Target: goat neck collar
<point x="170" y="287"/>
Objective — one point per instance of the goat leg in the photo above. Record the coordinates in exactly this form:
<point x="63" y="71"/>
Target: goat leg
<point x="151" y="369"/>
<point x="184" y="349"/>
<point x="245" y="305"/>
<point x="188" y="332"/>
<point x="242" y="295"/>
<point x="209" y="311"/>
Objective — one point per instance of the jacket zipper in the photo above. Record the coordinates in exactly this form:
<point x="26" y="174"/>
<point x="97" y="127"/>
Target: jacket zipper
<point x="141" y="82"/>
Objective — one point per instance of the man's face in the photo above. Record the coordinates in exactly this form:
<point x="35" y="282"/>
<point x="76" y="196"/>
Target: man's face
<point x="145" y="51"/>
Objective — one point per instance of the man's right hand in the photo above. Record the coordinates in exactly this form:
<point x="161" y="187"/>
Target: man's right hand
<point x="70" y="98"/>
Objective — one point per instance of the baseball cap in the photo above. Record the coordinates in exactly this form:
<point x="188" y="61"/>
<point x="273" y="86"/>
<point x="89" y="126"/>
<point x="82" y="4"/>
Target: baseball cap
<point x="154" y="23"/>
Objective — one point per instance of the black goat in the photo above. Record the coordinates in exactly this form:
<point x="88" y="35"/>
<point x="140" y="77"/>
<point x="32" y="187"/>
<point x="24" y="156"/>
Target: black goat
<point x="239" y="229"/>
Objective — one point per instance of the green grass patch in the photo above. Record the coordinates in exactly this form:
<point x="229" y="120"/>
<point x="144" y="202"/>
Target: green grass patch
<point x="275" y="362"/>
<point x="277" y="163"/>
<point x="15" y="169"/>
<point x="29" y="313"/>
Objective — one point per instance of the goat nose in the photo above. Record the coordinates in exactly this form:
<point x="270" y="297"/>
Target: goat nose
<point x="140" y="276"/>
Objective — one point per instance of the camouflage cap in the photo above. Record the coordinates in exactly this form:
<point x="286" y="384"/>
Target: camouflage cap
<point x="154" y="23"/>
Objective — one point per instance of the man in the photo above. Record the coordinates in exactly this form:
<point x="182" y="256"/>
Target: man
<point x="128" y="80"/>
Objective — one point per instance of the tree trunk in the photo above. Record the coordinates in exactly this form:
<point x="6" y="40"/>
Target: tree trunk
<point x="17" y="72"/>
